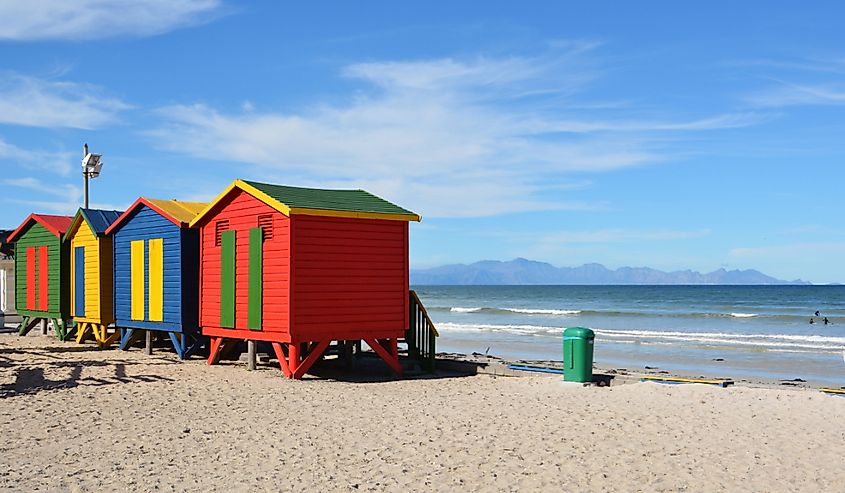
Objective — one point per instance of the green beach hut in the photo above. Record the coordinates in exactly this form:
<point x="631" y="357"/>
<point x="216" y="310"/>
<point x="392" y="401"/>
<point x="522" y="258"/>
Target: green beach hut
<point x="42" y="272"/>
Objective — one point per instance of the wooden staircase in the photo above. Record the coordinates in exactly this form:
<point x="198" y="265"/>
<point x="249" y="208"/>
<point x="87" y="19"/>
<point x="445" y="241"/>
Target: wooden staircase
<point x="421" y="335"/>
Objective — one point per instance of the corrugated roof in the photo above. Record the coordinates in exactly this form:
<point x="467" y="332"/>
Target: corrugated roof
<point x="178" y="212"/>
<point x="98" y="220"/>
<point x="358" y="204"/>
<point x="331" y="200"/>
<point x="182" y="211"/>
<point x="57" y="225"/>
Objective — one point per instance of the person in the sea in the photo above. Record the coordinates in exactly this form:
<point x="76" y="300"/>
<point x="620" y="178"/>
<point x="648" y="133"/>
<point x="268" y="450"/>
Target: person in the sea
<point x="817" y="313"/>
<point x="812" y="321"/>
<point x="826" y="321"/>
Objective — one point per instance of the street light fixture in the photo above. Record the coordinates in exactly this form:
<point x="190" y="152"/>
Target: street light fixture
<point x="91" y="166"/>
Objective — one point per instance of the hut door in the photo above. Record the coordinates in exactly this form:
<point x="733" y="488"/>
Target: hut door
<point x="36" y="278"/>
<point x="30" y="278"/>
<point x="227" y="279"/>
<point x="43" y="278"/>
<point x="255" y="277"/>
<point x="79" y="281"/>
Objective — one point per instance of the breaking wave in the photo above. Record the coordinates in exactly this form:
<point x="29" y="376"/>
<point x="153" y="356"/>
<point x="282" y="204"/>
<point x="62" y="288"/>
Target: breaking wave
<point x="662" y="313"/>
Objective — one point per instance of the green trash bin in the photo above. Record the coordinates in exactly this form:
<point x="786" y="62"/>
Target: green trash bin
<point x="578" y="354"/>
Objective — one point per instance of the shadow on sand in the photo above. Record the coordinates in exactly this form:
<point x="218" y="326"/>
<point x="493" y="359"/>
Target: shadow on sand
<point x="31" y="379"/>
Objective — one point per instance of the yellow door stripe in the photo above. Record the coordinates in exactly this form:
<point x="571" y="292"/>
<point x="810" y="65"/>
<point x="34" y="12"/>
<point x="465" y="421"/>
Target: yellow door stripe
<point x="156" y="280"/>
<point x="137" y="275"/>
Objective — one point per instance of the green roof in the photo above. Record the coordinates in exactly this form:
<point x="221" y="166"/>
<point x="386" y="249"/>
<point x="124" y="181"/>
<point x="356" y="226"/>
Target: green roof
<point x="358" y="200"/>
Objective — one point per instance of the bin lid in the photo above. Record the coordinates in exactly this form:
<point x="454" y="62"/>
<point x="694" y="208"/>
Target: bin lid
<point x="581" y="332"/>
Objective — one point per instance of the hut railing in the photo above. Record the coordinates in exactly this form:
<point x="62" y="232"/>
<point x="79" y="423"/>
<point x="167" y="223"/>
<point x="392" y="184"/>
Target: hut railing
<point x="421" y="335"/>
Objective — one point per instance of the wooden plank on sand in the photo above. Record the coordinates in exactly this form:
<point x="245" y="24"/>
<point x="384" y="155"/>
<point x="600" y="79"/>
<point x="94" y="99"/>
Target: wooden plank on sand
<point x="673" y="380"/>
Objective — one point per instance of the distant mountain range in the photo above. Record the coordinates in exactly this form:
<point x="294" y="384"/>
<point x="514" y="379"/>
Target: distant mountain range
<point x="523" y="271"/>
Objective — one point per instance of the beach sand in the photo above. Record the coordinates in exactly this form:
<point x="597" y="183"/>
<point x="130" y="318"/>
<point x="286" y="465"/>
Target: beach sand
<point x="75" y="418"/>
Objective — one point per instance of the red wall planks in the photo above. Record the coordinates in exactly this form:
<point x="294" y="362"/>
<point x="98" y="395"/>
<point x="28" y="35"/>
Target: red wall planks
<point x="242" y="211"/>
<point x="43" y="278"/>
<point x="349" y="278"/>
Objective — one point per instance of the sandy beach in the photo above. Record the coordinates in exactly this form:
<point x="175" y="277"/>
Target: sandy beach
<point x="76" y="418"/>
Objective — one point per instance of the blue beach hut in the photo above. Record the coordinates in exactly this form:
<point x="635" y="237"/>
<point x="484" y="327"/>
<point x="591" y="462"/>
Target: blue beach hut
<point x="156" y="272"/>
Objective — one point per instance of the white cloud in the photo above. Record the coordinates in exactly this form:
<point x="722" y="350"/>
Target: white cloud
<point x="36" y="185"/>
<point x="788" y="94"/>
<point x="448" y="137"/>
<point x="95" y="19"/>
<point x="37" y="160"/>
<point x="39" y="103"/>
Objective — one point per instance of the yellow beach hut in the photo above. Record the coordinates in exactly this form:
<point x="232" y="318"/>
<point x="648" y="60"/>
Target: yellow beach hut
<point x="91" y="267"/>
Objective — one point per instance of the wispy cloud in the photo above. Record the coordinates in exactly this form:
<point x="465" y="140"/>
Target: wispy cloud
<point x="450" y="137"/>
<point x="32" y="192"/>
<point x="59" y="163"/>
<point x="36" y="185"/>
<point x="798" y="82"/>
<point x="95" y="19"/>
<point x="41" y="103"/>
<point x="789" y="94"/>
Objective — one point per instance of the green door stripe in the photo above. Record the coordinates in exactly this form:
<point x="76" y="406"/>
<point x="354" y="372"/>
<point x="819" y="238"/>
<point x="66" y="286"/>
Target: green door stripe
<point x="227" y="279"/>
<point x="256" y="240"/>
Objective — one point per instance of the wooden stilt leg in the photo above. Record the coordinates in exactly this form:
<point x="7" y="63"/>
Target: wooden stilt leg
<point x="58" y="328"/>
<point x="81" y="329"/>
<point x="283" y="361"/>
<point x="43" y="326"/>
<point x="108" y="339"/>
<point x="348" y="347"/>
<point x="198" y="342"/>
<point x="313" y="356"/>
<point x="250" y="353"/>
<point x="214" y="351"/>
<point x="99" y="334"/>
<point x="70" y="330"/>
<point x="293" y="357"/>
<point x="178" y="344"/>
<point x="26" y="325"/>
<point x="391" y="360"/>
<point x="148" y="346"/>
<point x="126" y="336"/>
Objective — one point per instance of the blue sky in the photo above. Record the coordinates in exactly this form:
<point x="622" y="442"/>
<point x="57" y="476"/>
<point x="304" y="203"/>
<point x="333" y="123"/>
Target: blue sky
<point x="660" y="134"/>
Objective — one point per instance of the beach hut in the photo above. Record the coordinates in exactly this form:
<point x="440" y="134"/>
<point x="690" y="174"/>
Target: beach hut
<point x="91" y="294"/>
<point x="41" y="272"/>
<point x="156" y="272"/>
<point x="302" y="267"/>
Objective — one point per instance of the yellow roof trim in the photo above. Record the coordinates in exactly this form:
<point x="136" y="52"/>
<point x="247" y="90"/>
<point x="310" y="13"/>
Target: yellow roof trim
<point x="275" y="204"/>
<point x="287" y="210"/>
<point x="357" y="215"/>
<point x="211" y="204"/>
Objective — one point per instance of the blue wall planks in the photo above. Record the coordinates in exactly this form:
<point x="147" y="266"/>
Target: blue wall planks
<point x="180" y="305"/>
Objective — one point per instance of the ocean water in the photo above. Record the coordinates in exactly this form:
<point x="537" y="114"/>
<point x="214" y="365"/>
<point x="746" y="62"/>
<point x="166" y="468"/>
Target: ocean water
<point x="726" y="331"/>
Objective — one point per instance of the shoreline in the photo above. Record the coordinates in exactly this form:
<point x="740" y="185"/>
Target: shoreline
<point x="616" y="375"/>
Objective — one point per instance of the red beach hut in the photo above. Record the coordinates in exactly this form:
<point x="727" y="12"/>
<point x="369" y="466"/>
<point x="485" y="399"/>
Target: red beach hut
<point x="302" y="267"/>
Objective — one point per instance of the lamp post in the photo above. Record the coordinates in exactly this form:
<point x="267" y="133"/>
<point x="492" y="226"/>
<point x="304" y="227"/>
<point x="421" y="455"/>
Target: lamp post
<point x="91" y="166"/>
